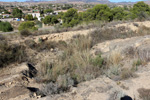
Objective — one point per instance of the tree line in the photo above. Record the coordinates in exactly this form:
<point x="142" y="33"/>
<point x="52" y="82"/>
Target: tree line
<point x="102" y="12"/>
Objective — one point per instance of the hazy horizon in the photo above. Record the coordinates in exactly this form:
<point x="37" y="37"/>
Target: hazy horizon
<point x="54" y="0"/>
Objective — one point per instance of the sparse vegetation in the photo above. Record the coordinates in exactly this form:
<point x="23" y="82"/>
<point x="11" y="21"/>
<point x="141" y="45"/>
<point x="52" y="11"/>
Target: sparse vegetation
<point x="127" y="73"/>
<point x="137" y="63"/>
<point x="72" y="59"/>
<point x="74" y="66"/>
<point x="77" y="63"/>
<point x="115" y="58"/>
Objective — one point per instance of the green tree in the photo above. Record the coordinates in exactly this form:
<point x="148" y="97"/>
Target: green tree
<point x="50" y="20"/>
<point x="60" y="14"/>
<point x="89" y="15"/>
<point x="54" y="20"/>
<point x="70" y="17"/>
<point x="5" y="27"/>
<point x="47" y="20"/>
<point x="29" y="17"/>
<point x="140" y="7"/>
<point x="6" y="12"/>
<point x="41" y="12"/>
<point x="27" y="25"/>
<point x="48" y="11"/>
<point x="17" y="13"/>
<point x="102" y="12"/>
<point x="118" y="13"/>
<point x="128" y="15"/>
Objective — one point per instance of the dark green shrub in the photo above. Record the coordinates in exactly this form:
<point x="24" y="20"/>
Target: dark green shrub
<point x="98" y="61"/>
<point x="50" y="20"/>
<point x="25" y="32"/>
<point x="118" y="13"/>
<point x="5" y="27"/>
<point x="29" y="17"/>
<point x="11" y="53"/>
<point x="141" y="7"/>
<point x="140" y="10"/>
<point x="27" y="25"/>
<point x="143" y="16"/>
<point x="70" y="18"/>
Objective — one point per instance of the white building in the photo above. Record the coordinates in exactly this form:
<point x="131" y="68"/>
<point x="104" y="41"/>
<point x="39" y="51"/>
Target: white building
<point x="36" y="15"/>
<point x="6" y="15"/>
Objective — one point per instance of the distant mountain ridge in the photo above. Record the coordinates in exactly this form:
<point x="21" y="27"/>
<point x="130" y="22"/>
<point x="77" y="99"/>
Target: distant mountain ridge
<point x="86" y="1"/>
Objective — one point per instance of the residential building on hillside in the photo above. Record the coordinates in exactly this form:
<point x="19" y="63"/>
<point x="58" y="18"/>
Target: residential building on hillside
<point x="36" y="15"/>
<point x="6" y="15"/>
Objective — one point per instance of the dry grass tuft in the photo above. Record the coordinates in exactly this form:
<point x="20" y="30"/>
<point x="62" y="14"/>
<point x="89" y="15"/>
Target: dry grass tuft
<point x="143" y="30"/>
<point x="144" y="94"/>
<point x="127" y="73"/>
<point x="115" y="58"/>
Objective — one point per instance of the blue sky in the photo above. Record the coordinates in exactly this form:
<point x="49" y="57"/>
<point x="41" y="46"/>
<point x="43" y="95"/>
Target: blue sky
<point x="124" y="0"/>
<point x="51" y="0"/>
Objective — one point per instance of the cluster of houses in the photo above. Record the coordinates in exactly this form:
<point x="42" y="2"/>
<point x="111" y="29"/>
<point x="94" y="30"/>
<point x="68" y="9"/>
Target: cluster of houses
<point x="34" y="13"/>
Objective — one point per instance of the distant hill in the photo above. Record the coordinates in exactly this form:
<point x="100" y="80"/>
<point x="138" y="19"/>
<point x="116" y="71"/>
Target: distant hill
<point x="99" y="1"/>
<point x="85" y="1"/>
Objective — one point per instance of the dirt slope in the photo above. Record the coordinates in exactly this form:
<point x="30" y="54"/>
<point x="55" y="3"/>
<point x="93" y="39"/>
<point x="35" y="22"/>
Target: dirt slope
<point x="103" y="87"/>
<point x="13" y="82"/>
